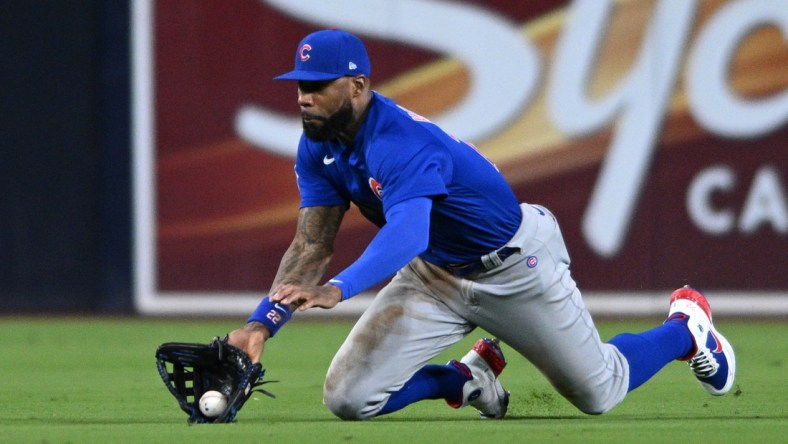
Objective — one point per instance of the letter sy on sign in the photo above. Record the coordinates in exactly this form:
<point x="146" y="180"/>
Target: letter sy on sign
<point x="636" y="106"/>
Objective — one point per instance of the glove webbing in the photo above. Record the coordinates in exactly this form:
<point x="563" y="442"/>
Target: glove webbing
<point x="188" y="365"/>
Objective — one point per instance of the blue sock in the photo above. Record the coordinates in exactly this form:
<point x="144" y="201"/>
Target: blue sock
<point x="430" y="382"/>
<point x="651" y="350"/>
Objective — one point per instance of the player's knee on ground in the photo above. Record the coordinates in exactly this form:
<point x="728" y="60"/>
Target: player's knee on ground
<point x="590" y="408"/>
<point x="345" y="400"/>
<point x="342" y="406"/>
<point x="597" y="391"/>
<point x="590" y="402"/>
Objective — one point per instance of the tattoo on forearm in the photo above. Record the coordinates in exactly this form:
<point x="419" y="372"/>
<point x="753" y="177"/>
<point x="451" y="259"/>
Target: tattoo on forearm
<point x="310" y="252"/>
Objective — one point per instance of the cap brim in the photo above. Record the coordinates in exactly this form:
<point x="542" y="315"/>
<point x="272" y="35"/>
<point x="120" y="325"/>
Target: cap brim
<point x="314" y="76"/>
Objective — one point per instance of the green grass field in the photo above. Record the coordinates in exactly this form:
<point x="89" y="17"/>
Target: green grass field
<point x="94" y="380"/>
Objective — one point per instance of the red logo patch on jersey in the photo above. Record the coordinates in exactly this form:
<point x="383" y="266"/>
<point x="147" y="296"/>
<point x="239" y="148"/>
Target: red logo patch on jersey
<point x="376" y="187"/>
<point x="302" y="52"/>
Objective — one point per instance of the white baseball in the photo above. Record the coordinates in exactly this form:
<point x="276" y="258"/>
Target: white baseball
<point x="212" y="403"/>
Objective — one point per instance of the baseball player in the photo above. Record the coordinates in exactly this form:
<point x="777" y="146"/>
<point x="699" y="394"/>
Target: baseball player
<point x="463" y="253"/>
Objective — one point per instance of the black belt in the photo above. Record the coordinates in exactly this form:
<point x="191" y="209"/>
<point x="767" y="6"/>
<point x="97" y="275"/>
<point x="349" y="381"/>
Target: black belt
<point x="484" y="263"/>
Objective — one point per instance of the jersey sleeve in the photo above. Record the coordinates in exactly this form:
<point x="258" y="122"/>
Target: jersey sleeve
<point x="407" y="172"/>
<point x="314" y="185"/>
<point x="405" y="235"/>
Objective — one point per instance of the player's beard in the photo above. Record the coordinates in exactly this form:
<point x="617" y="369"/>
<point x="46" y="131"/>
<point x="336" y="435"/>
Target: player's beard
<point x="321" y="129"/>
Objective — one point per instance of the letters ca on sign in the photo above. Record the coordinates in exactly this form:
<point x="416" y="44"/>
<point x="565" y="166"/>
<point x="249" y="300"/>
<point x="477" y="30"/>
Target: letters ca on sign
<point x="675" y="47"/>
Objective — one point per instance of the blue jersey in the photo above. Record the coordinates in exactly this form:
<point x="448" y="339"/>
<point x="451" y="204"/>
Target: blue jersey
<point x="398" y="155"/>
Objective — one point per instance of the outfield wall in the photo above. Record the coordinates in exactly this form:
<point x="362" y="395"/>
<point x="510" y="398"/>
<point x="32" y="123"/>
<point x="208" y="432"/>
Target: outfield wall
<point x="655" y="130"/>
<point x="65" y="201"/>
<point x="689" y="96"/>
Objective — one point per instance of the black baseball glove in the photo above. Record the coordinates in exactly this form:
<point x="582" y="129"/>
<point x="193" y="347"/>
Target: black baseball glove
<point x="190" y="370"/>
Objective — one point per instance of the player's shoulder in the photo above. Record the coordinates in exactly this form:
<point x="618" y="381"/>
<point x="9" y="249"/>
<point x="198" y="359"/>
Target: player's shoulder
<point x="397" y="124"/>
<point x="386" y="107"/>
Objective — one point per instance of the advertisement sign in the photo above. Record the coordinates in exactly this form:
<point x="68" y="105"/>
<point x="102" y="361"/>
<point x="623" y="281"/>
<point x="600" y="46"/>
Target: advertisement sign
<point x="656" y="131"/>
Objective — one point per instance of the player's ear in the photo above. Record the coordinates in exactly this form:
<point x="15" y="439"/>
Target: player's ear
<point x="359" y="84"/>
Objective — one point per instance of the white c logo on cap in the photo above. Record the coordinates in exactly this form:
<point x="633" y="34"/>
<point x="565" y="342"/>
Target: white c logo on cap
<point x="302" y="52"/>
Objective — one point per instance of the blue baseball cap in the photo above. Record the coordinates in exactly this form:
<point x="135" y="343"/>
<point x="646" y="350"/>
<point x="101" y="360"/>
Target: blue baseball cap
<point x="328" y="55"/>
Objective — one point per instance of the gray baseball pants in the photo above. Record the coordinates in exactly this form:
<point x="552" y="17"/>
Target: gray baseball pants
<point x="530" y="302"/>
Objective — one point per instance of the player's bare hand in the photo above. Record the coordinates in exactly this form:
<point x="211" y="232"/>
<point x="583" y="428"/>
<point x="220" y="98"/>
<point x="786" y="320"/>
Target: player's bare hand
<point x="307" y="296"/>
<point x="251" y="339"/>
